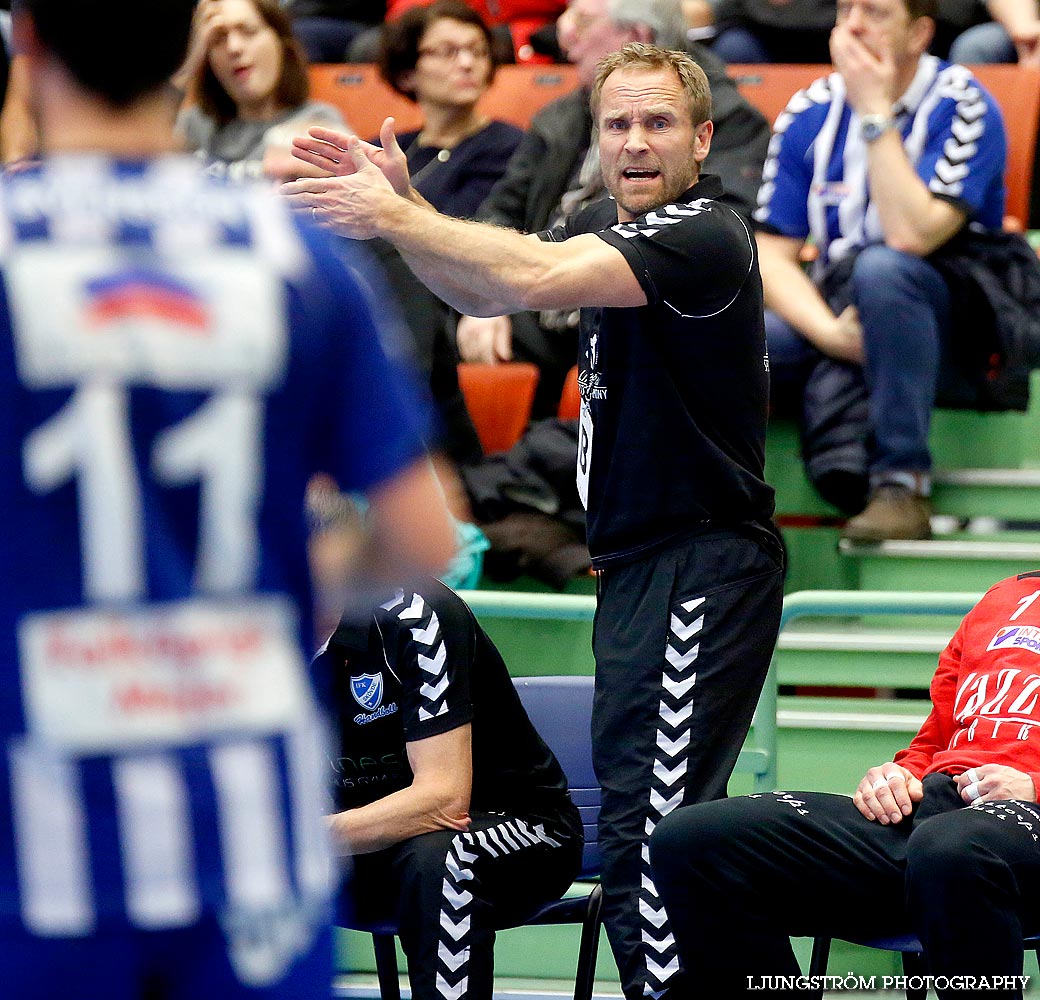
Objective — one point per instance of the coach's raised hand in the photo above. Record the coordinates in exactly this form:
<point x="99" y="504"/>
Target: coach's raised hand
<point x="328" y="149"/>
<point x="352" y="202"/>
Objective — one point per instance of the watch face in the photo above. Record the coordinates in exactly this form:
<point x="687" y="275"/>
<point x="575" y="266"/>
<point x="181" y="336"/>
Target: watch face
<point x="872" y="128"/>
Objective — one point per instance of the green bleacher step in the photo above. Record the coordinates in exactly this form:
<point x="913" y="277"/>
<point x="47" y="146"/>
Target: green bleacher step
<point x="851" y="714"/>
<point x="1007" y="493"/>
<point x="537" y="631"/>
<point x="960" y="440"/>
<point x="827" y="744"/>
<point x="964" y="439"/>
<point x="849" y="658"/>
<point x="946" y="565"/>
<point x="1010" y="494"/>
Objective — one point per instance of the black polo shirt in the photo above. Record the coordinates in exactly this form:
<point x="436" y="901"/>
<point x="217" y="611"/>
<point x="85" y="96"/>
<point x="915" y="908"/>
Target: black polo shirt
<point x="421" y="667"/>
<point x="677" y="390"/>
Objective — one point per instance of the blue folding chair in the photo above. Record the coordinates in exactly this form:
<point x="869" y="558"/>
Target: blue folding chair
<point x="561" y="710"/>
<point x="913" y="960"/>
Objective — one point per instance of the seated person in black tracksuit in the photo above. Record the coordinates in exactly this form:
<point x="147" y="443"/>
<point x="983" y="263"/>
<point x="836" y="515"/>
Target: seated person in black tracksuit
<point x="942" y="842"/>
<point x="455" y="813"/>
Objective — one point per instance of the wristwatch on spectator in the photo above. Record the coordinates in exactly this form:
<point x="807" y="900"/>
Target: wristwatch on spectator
<point x="873" y="127"/>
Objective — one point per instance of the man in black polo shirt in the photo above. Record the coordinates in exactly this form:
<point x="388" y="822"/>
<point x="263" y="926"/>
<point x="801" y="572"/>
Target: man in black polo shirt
<point x="454" y="810"/>
<point x="674" y="387"/>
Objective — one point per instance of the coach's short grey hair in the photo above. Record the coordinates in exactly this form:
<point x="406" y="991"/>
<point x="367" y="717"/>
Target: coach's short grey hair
<point x="663" y="17"/>
<point x="652" y="57"/>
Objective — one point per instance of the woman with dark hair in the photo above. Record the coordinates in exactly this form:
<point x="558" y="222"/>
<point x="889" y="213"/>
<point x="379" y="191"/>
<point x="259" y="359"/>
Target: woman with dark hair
<point x="246" y="79"/>
<point x="443" y="58"/>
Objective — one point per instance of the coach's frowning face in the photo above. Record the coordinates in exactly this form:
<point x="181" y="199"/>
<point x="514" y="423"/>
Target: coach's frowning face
<point x="650" y="147"/>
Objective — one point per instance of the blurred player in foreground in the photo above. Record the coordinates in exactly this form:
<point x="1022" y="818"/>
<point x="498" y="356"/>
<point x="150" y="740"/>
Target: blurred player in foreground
<point x="178" y="357"/>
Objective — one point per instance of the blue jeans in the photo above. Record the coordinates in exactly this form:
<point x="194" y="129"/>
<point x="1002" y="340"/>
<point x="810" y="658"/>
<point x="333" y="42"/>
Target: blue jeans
<point x="904" y="309"/>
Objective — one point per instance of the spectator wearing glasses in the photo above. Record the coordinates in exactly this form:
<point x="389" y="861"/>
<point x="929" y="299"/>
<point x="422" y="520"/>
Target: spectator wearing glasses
<point x="442" y="57"/>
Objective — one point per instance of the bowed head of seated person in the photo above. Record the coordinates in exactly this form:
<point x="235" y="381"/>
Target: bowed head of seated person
<point x="247" y="90"/>
<point x="453" y="810"/>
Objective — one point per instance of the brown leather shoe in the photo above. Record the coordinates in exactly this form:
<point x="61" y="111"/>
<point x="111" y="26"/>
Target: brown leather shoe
<point x="893" y="512"/>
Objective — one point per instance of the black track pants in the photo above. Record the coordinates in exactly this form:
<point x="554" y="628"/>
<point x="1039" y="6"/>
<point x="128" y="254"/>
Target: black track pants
<point x="449" y="891"/>
<point x="739" y="876"/>
<point x="683" y="641"/>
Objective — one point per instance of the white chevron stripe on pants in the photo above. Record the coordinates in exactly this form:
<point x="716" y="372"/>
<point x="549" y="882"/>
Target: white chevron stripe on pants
<point x="682" y="640"/>
<point x="453" y="889"/>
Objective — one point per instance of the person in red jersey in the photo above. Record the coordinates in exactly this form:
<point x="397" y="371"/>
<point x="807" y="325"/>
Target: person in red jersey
<point x="942" y="842"/>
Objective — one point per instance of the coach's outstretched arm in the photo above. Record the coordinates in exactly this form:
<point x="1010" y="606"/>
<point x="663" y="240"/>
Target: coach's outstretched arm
<point x="479" y="269"/>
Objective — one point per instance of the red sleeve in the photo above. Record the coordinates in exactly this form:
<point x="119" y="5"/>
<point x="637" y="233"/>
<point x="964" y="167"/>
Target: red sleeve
<point x="395" y="8"/>
<point x="516" y="10"/>
<point x="937" y="731"/>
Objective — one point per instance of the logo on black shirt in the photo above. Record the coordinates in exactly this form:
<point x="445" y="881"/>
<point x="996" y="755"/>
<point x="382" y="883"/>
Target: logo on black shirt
<point x="367" y="690"/>
<point x="589" y="386"/>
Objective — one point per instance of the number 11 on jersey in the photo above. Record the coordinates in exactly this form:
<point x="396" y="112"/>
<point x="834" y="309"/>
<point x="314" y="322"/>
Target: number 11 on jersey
<point x="218" y="446"/>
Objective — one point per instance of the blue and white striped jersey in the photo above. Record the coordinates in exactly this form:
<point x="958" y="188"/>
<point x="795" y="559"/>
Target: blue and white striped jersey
<point x="815" y="176"/>
<point x="178" y="356"/>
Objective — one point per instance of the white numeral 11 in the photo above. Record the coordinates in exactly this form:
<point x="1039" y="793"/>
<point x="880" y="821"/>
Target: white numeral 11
<point x="218" y="446"/>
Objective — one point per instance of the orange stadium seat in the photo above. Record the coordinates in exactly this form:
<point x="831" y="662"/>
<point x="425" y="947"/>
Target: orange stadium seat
<point x="1017" y="91"/>
<point x="570" y="398"/>
<point x="498" y="398"/>
<point x="362" y="97"/>
<point x="1015" y="88"/>
<point x="519" y="92"/>
<point x="365" y="100"/>
<point x="769" y="86"/>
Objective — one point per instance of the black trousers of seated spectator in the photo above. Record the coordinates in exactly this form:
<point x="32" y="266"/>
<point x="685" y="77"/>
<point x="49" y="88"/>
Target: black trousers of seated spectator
<point x="448" y="892"/>
<point x="682" y="640"/>
<point x="737" y="877"/>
